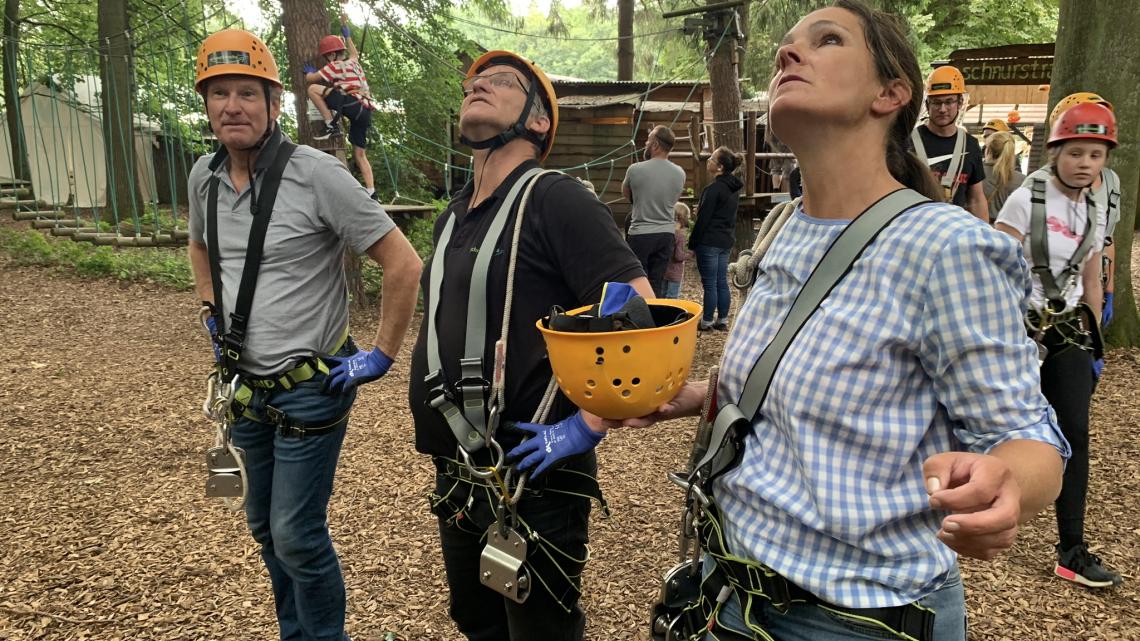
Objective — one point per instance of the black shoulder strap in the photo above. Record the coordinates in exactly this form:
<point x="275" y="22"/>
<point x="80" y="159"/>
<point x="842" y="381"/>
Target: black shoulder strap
<point x="233" y="338"/>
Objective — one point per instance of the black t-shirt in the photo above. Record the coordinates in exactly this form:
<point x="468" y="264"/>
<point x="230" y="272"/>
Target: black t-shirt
<point x="569" y="247"/>
<point x="972" y="170"/>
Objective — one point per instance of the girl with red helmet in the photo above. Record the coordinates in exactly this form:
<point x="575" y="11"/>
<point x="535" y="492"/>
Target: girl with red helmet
<point x="1062" y="229"/>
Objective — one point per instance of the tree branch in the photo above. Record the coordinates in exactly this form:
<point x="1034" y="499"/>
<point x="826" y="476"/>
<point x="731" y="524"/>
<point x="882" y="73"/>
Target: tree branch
<point x="50" y="25"/>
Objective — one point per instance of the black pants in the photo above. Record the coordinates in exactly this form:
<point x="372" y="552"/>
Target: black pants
<point x="1067" y="383"/>
<point x="551" y="612"/>
<point x="654" y="252"/>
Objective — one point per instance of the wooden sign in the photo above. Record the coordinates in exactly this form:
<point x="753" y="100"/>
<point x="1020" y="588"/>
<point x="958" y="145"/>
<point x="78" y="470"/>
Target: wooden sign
<point x="1006" y="65"/>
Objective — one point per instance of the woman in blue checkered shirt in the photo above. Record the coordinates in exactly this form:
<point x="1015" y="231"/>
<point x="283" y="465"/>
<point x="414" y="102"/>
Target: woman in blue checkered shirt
<point x="905" y="423"/>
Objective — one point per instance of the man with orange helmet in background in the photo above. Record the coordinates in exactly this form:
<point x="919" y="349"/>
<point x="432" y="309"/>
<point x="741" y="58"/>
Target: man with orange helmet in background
<point x="513" y="243"/>
<point x="269" y="223"/>
<point x="954" y="156"/>
<point x="339" y="88"/>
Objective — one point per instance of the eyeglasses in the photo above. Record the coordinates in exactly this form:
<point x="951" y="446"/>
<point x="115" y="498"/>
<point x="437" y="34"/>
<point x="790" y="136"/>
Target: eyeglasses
<point x="499" y="80"/>
<point x="941" y="104"/>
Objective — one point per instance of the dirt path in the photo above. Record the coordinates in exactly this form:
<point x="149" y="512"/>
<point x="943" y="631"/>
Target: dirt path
<point x="106" y="534"/>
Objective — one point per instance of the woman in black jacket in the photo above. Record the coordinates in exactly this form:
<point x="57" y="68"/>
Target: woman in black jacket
<point x="714" y="235"/>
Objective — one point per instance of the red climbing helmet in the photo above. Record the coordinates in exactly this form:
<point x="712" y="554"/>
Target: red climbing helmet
<point x="331" y="44"/>
<point x="1086" y="121"/>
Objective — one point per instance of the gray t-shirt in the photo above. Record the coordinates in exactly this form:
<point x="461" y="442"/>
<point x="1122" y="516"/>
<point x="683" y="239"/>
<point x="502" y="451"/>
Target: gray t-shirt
<point x="300" y="306"/>
<point x="656" y="185"/>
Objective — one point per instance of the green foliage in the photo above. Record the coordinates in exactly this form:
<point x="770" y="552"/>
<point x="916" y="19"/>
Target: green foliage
<point x="168" y="267"/>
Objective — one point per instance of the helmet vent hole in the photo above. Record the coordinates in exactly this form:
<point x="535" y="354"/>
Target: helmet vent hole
<point x="600" y="361"/>
<point x="635" y="382"/>
<point x="591" y="383"/>
<point x="617" y="382"/>
<point x="626" y="349"/>
<point x="599" y="350"/>
<point x="676" y="339"/>
<point x="658" y="391"/>
<point x="588" y="394"/>
<point x="625" y="393"/>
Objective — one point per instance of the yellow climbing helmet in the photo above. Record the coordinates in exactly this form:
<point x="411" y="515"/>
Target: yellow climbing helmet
<point x="996" y="125"/>
<point x="1074" y="99"/>
<point x="234" y="52"/>
<point x="945" y="80"/>
<point x="624" y="374"/>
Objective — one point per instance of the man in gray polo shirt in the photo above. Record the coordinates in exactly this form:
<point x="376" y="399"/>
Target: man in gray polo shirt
<point x="291" y="407"/>
<point x="653" y="186"/>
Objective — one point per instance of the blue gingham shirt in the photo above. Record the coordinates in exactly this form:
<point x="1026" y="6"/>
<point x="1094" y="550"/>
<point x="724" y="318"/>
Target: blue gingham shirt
<point x="919" y="350"/>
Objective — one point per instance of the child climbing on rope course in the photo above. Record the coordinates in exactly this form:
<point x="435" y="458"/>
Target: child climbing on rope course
<point x="340" y="89"/>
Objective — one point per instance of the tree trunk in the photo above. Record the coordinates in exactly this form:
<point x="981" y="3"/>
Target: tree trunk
<point x="115" y="66"/>
<point x="1098" y="40"/>
<point x="305" y="22"/>
<point x="625" y="42"/>
<point x="12" y="89"/>
<point x="725" y="83"/>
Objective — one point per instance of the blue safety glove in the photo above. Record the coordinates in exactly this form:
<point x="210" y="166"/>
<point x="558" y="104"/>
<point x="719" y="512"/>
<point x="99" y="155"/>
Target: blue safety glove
<point x="552" y="443"/>
<point x="344" y="30"/>
<point x="362" y="367"/>
<point x="212" y="325"/>
<point x="1106" y="317"/>
<point x="309" y="69"/>
<point x="1098" y="368"/>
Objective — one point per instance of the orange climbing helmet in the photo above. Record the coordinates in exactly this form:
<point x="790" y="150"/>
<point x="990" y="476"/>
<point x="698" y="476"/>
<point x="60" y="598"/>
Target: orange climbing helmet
<point x="544" y="91"/>
<point x="629" y="373"/>
<point x="1073" y="99"/>
<point x="331" y="44"/>
<point x="944" y="81"/>
<point x="234" y="52"/>
<point x="1086" y="121"/>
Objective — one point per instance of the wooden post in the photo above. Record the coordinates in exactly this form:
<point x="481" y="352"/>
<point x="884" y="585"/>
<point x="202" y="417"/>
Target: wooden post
<point x="699" y="178"/>
<point x="750" y="155"/>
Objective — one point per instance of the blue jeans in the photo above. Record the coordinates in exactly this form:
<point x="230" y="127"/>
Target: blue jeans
<point x="672" y="289"/>
<point x="290" y="481"/>
<point x="712" y="262"/>
<point x="812" y="623"/>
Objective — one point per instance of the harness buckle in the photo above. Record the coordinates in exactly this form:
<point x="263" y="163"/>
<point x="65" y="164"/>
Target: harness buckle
<point x="916" y="621"/>
<point x="281" y="423"/>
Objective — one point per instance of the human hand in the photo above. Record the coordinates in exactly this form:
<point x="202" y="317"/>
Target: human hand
<point x="983" y="498"/>
<point x="552" y="443"/>
<point x="687" y="402"/>
<point x="358" y="369"/>
<point x="1098" y="368"/>
<point x="1106" y="316"/>
<point x="309" y="69"/>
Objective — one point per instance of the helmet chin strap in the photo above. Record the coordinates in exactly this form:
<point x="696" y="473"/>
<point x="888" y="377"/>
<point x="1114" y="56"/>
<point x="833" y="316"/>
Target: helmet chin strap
<point x="1057" y="175"/>
<point x="517" y="130"/>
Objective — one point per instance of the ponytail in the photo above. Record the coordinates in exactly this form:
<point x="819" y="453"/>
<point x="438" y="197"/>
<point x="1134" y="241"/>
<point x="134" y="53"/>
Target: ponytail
<point x="1002" y="150"/>
<point x="726" y="158"/>
<point x="906" y="168"/>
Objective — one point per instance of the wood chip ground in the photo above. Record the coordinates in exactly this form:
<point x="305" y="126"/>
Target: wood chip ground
<point x="105" y="532"/>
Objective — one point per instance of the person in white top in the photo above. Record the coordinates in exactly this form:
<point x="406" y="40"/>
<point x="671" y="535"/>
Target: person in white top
<point x="1063" y="229"/>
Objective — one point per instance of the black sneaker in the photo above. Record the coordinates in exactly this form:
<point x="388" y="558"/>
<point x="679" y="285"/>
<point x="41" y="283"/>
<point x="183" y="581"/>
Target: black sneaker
<point x="328" y="132"/>
<point x="1080" y="566"/>
<point x="720" y="325"/>
<point x="704" y="326"/>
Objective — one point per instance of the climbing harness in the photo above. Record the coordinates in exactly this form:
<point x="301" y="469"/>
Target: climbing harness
<point x="742" y="272"/>
<point x="1056" y="287"/>
<point x="690" y="598"/>
<point x="950" y="178"/>
<point x="473" y="406"/>
<point x="227" y="391"/>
